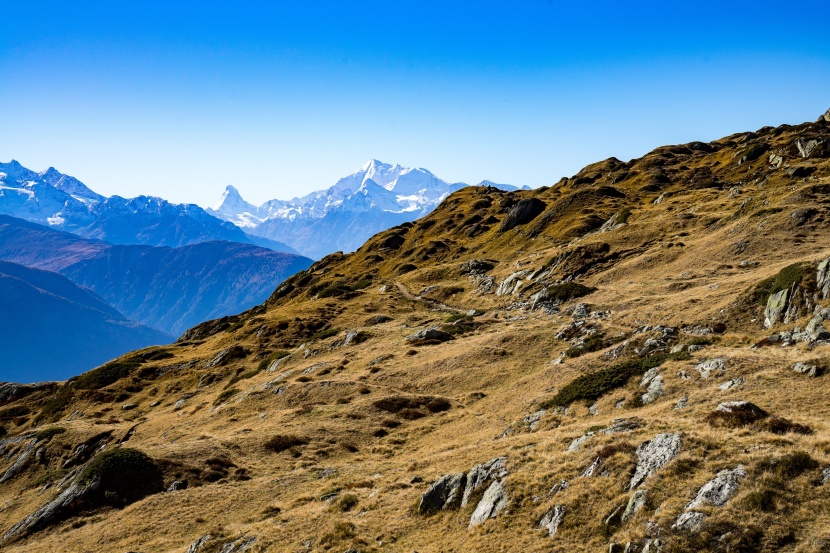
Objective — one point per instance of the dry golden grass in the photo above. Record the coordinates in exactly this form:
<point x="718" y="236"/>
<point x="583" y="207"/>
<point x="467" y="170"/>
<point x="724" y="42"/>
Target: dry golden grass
<point x="677" y="263"/>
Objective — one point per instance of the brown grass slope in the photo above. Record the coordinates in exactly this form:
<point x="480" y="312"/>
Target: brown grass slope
<point x="313" y="423"/>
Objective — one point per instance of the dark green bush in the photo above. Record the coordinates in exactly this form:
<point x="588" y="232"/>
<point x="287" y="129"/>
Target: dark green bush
<point x="55" y="406"/>
<point x="788" y="466"/>
<point x="335" y="291"/>
<point x="107" y="374"/>
<point x="47" y="433"/>
<point x="225" y="396"/>
<point x="787" y="277"/>
<point x="568" y="291"/>
<point x="458" y="317"/>
<point x="593" y="385"/>
<point x="125" y="475"/>
<point x="10" y="413"/>
<point x="406" y="268"/>
<point x="282" y="442"/>
<point x="325" y="333"/>
<point x="347" y="502"/>
<point x="595" y="342"/>
<point x="780" y="425"/>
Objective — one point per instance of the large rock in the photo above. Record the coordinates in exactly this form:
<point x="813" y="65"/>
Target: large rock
<point x="826" y="117"/>
<point x="444" y="494"/>
<point x="720" y="489"/>
<point x="553" y="519"/>
<point x="51" y="512"/>
<point x="432" y="333"/>
<point x="745" y="409"/>
<point x="653" y="454"/>
<point x="521" y="213"/>
<point x="823" y="278"/>
<point x="776" y="306"/>
<point x="19" y="463"/>
<point x="635" y="504"/>
<point x="815" y="330"/>
<point x="653" y="382"/>
<point x="706" y="367"/>
<point x="689" y="522"/>
<point x="805" y="146"/>
<point x="803" y="368"/>
<point x="512" y="284"/>
<point x="492" y="503"/>
<point x="479" y="475"/>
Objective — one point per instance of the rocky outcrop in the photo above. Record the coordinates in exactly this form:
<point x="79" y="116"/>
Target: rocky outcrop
<point x="553" y="520"/>
<point x="653" y="382"/>
<point x="776" y="306"/>
<point x="705" y="368"/>
<point x="652" y="455"/>
<point x="522" y="213"/>
<point x="444" y="494"/>
<point x="635" y="504"/>
<point x="51" y="512"/>
<point x="825" y="118"/>
<point x="809" y="370"/>
<point x="492" y="503"/>
<point x="512" y="284"/>
<point x="19" y="463"/>
<point x="479" y="475"/>
<point x="715" y="493"/>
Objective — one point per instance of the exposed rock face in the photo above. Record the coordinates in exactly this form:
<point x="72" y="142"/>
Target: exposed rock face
<point x="825" y="117"/>
<point x="430" y="334"/>
<point x="652" y="455"/>
<point x="776" y="306"/>
<point x="523" y="212"/>
<point x="50" y="512"/>
<point x="199" y="544"/>
<point x="492" y="503"/>
<point x="481" y="474"/>
<point x="512" y="284"/>
<point x="553" y="519"/>
<point x="805" y="147"/>
<point x="730" y="384"/>
<point x="19" y="463"/>
<point x="444" y="494"/>
<point x="742" y="407"/>
<point x="689" y="522"/>
<point x="720" y="489"/>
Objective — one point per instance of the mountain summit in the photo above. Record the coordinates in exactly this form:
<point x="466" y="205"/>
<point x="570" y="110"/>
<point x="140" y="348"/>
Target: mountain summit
<point x="376" y="196"/>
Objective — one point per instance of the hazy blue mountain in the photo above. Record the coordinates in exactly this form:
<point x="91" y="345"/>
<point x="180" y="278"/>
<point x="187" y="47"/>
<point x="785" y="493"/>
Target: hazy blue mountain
<point x="63" y="202"/>
<point x="51" y="328"/>
<point x="169" y="289"/>
<point x="376" y="197"/>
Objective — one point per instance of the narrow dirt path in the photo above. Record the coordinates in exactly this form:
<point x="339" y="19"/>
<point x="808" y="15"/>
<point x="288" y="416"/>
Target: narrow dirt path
<point x="434" y="304"/>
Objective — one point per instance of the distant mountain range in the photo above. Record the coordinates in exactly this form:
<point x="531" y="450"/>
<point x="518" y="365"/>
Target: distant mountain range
<point x="169" y="289"/>
<point x="63" y="202"/>
<point x="376" y="197"/>
<point x="51" y="328"/>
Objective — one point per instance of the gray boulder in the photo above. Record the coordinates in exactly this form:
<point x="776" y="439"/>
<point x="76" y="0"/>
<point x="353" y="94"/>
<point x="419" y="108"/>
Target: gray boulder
<point x="804" y="368"/>
<point x="512" y="284"/>
<point x="19" y="463"/>
<point x="432" y="333"/>
<point x="749" y="409"/>
<point x="805" y="146"/>
<point x="689" y="522"/>
<point x="652" y="455"/>
<point x="720" y="489"/>
<point x="825" y="117"/>
<point x="479" y="475"/>
<point x="553" y="519"/>
<point x="730" y="384"/>
<point x="199" y="544"/>
<point x="444" y="494"/>
<point x="492" y="503"/>
<point x="776" y="306"/>
<point x="653" y="382"/>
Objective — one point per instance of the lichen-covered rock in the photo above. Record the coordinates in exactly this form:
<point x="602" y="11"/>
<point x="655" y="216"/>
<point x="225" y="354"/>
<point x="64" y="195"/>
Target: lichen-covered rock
<point x="653" y="454"/>
<point x="804" y="368"/>
<point x="19" y="463"/>
<point x="492" y="503"/>
<point x="776" y="306"/>
<point x="577" y="442"/>
<point x="444" y="494"/>
<point x="635" y="504"/>
<point x="690" y="522"/>
<point x="720" y="489"/>
<point x="512" y="284"/>
<point x="479" y="475"/>
<point x="653" y="382"/>
<point x="553" y="519"/>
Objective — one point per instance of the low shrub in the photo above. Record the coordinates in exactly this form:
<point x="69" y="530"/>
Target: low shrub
<point x="760" y="500"/>
<point x="323" y="334"/>
<point x="568" y="291"/>
<point x="788" y="466"/>
<point x="736" y="417"/>
<point x="48" y="433"/>
<point x="347" y="502"/>
<point x="592" y="343"/>
<point x="124" y="475"/>
<point x="780" y="425"/>
<point x="225" y="396"/>
<point x="107" y="374"/>
<point x="593" y="385"/>
<point x="786" y="278"/>
<point x="10" y="413"/>
<point x="283" y="442"/>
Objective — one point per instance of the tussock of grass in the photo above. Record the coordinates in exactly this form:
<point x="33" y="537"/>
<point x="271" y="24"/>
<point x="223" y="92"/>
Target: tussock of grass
<point x="107" y="374"/>
<point x="225" y="396"/>
<point x="48" y="433"/>
<point x="283" y="442"/>
<point x="568" y="291"/>
<point x="593" y="385"/>
<point x="788" y="466"/>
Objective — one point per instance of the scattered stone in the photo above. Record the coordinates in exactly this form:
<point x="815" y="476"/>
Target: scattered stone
<point x="706" y="367"/>
<point x="742" y="407"/>
<point x="615" y="518"/>
<point x="730" y="384"/>
<point x="532" y="420"/>
<point x="682" y="403"/>
<point x="129" y="406"/>
<point x="804" y="368"/>
<point x="479" y="475"/>
<point x="177" y="485"/>
<point x="444" y="494"/>
<point x="805" y="146"/>
<point x="476" y="267"/>
<point x="593" y="409"/>
<point x="775" y="160"/>
<point x="825" y="117"/>
<point x="179" y="404"/>
<point x="825" y="476"/>
<point x="577" y="443"/>
<point x="432" y="333"/>
<point x="19" y="463"/>
<point x="720" y="489"/>
<point x="227" y="355"/>
<point x="492" y="503"/>
<point x="553" y="519"/>
<point x="628" y="424"/>
<point x="593" y="468"/>
<point x="635" y="504"/>
<point x="581" y="311"/>
<point x="652" y="455"/>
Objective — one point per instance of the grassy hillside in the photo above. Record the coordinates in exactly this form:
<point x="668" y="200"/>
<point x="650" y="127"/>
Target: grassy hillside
<point x="588" y="338"/>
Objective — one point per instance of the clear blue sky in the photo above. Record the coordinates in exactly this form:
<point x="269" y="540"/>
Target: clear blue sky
<point x="178" y="99"/>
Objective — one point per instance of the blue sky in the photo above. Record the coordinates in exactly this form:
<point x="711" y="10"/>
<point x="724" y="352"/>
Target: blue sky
<point x="282" y="98"/>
